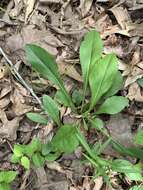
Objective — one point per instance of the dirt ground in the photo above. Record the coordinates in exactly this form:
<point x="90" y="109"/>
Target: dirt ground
<point x="59" y="26"/>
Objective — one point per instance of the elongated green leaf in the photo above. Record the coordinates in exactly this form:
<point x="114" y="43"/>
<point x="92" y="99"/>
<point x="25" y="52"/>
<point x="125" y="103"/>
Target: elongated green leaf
<point x="101" y="77"/>
<point x="139" y="138"/>
<point x="116" y="85"/>
<point x="90" y="52"/>
<point x="4" y="186"/>
<point x="123" y="166"/>
<point x="7" y="176"/>
<point x="61" y="98"/>
<point x="25" y="162"/>
<point x="37" y="118"/>
<point x="137" y="187"/>
<point x="133" y="151"/>
<point x="45" y="64"/>
<point x="51" y="108"/>
<point x="65" y="139"/>
<point x="113" y="105"/>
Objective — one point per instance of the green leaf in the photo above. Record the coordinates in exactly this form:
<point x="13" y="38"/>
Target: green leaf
<point x="101" y="77"/>
<point x="140" y="82"/>
<point x="34" y="146"/>
<point x="4" y="186"/>
<point x="7" y="176"/>
<point x="51" y="108"/>
<point x="38" y="160"/>
<point x="134" y="152"/>
<point x="46" y="149"/>
<point x="116" y="86"/>
<point x="97" y="123"/>
<point x="15" y="159"/>
<point x="61" y="98"/>
<point x="25" y="162"/>
<point x="45" y="64"/>
<point x="137" y="187"/>
<point x="138" y="139"/>
<point x="137" y="175"/>
<point x="51" y="157"/>
<point x="18" y="150"/>
<point x="90" y="51"/>
<point x="133" y="172"/>
<point x="38" y="118"/>
<point x="65" y="139"/>
<point x="77" y="97"/>
<point x="113" y="105"/>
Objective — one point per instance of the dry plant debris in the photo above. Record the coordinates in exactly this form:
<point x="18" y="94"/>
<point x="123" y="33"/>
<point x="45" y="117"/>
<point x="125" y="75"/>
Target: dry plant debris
<point x="59" y="26"/>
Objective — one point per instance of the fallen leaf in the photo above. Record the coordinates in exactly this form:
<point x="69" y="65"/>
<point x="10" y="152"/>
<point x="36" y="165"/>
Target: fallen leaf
<point x="9" y="127"/>
<point x="85" y="6"/>
<point x="41" y="177"/>
<point x="98" y="183"/>
<point x="4" y="102"/>
<point x="30" y="34"/>
<point x="86" y="183"/>
<point x="18" y="5"/>
<point x="68" y="69"/>
<point x="29" y="8"/>
<point x="119" y="127"/>
<point x="4" y="71"/>
<point x="134" y="92"/>
<point x="122" y="16"/>
<point x="18" y="99"/>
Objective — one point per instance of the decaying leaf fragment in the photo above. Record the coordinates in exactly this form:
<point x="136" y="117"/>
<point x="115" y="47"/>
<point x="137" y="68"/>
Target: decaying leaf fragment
<point x="8" y="128"/>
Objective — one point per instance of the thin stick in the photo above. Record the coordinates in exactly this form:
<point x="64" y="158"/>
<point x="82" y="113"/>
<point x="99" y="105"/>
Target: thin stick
<point x="19" y="77"/>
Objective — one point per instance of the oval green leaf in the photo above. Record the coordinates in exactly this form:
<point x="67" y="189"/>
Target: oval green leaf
<point x="113" y="105"/>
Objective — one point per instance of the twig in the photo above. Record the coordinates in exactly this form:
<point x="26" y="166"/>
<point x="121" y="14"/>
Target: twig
<point x="19" y="76"/>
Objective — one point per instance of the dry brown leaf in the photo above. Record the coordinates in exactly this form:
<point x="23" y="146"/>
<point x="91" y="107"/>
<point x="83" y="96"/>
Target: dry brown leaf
<point x="18" y="99"/>
<point x="50" y="1"/>
<point x="4" y="71"/>
<point x="120" y="129"/>
<point x="29" y="8"/>
<point x="122" y="16"/>
<point x="86" y="183"/>
<point x="135" y="68"/>
<point x="134" y="92"/>
<point x="29" y="34"/>
<point x="17" y="8"/>
<point x="85" y="6"/>
<point x="68" y="69"/>
<point x="4" y="102"/>
<point x="98" y="183"/>
<point x="41" y="176"/>
<point x="6" y="89"/>
<point x="9" y="127"/>
<point x="55" y="166"/>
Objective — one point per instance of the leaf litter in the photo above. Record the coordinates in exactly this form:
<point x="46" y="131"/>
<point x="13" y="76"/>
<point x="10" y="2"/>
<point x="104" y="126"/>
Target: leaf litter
<point x="59" y="29"/>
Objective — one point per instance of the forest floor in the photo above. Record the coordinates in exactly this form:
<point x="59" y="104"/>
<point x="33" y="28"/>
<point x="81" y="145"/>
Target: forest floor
<point x="59" y="26"/>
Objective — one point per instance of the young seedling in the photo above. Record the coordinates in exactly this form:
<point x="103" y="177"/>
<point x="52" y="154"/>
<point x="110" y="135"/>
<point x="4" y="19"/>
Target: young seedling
<point x="6" y="178"/>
